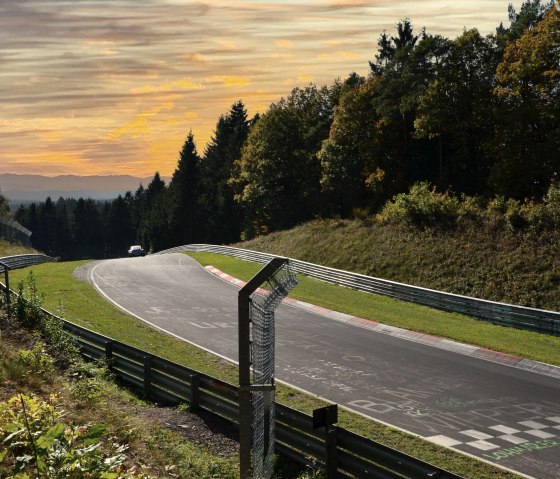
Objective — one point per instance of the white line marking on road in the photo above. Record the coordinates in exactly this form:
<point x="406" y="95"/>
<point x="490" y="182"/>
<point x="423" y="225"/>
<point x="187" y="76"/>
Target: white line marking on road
<point x="505" y="429"/>
<point x="533" y="424"/>
<point x="476" y="434"/>
<point x="443" y="440"/>
<point x="483" y="445"/>
<point x="539" y="433"/>
<point x="513" y="439"/>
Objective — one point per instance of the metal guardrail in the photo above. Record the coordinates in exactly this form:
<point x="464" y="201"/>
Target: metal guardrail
<point x="167" y="382"/>
<point x="520" y="317"/>
<point x="23" y="260"/>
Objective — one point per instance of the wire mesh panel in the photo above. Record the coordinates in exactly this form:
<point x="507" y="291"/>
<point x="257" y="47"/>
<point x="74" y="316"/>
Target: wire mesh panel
<point x="261" y="313"/>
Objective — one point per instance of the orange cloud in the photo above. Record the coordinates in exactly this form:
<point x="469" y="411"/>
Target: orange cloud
<point x="284" y="44"/>
<point x="183" y="84"/>
<point x="139" y="126"/>
<point x="345" y="55"/>
<point x="305" y="78"/>
<point x="229" y="81"/>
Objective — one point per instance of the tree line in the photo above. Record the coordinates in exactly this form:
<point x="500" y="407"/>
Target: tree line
<point x="476" y="115"/>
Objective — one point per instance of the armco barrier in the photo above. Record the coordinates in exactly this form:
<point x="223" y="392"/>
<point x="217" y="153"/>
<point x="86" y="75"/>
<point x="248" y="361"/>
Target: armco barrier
<point x="23" y="260"/>
<point x="171" y="383"/>
<point x="520" y="317"/>
<point x="167" y="382"/>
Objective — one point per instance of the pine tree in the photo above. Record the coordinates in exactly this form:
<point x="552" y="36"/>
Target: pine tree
<point x="223" y="216"/>
<point x="183" y="206"/>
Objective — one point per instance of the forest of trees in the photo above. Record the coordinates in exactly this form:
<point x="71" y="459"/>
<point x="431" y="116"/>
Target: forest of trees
<point x="476" y="115"/>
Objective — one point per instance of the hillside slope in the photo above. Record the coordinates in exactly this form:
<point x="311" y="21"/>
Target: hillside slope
<point x="11" y="249"/>
<point x="480" y="260"/>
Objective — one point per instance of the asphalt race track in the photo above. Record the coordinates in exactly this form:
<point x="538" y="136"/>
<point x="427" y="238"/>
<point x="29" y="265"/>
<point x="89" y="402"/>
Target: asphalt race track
<point x="501" y="414"/>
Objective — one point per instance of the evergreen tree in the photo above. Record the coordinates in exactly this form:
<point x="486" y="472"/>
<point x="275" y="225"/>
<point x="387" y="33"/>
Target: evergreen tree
<point x="223" y="216"/>
<point x="456" y="111"/>
<point x="153" y="231"/>
<point x="184" y="188"/>
<point x="46" y="237"/>
<point x="88" y="230"/>
<point x="4" y="205"/>
<point x="63" y="234"/>
<point x="409" y="67"/>
<point x="119" y="231"/>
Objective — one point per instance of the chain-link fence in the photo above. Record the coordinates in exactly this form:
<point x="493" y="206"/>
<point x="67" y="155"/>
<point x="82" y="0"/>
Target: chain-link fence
<point x="11" y="230"/>
<point x="257" y="301"/>
<point x="261" y="314"/>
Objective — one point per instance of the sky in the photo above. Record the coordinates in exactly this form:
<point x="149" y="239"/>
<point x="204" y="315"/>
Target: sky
<point x="107" y="87"/>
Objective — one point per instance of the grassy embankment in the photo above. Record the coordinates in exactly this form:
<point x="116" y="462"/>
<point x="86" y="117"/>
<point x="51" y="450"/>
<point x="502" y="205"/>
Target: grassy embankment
<point x="78" y="302"/>
<point x="481" y="258"/>
<point x="58" y="414"/>
<point x="81" y="421"/>
<point x="10" y="249"/>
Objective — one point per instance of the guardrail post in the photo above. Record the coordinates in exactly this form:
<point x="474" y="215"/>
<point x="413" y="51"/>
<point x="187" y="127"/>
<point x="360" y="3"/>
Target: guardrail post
<point x="8" y="296"/>
<point x="195" y="391"/>
<point x="148" y="376"/>
<point x="325" y="418"/>
<point x="109" y="354"/>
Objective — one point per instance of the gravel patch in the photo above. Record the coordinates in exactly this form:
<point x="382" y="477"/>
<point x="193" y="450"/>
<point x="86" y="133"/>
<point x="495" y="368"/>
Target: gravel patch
<point x="202" y="428"/>
<point x="82" y="272"/>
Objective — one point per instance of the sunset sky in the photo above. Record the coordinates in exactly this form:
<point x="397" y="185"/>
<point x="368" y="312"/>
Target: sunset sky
<point x="114" y="86"/>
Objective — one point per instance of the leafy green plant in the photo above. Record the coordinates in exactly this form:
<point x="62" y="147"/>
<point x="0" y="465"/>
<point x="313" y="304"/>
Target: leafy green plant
<point x="36" y="361"/>
<point x="39" y="444"/>
<point x="28" y="303"/>
<point x="29" y="313"/>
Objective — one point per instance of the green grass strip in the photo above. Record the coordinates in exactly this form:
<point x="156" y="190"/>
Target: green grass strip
<point x="79" y="302"/>
<point x="526" y="344"/>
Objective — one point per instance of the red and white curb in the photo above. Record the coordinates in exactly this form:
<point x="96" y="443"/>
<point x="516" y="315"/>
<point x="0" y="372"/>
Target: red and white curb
<point x="426" y="339"/>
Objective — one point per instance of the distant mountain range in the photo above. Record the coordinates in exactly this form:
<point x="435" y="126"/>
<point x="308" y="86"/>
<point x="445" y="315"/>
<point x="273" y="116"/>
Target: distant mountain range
<point x="25" y="188"/>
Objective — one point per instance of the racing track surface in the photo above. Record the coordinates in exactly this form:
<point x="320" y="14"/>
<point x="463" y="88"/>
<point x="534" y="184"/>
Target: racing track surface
<point x="508" y="416"/>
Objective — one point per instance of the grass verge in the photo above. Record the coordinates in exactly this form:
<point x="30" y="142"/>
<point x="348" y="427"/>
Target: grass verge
<point x="78" y="302"/>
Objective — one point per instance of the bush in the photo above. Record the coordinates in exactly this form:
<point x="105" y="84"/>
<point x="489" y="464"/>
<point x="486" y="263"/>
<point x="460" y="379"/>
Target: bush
<point x="422" y="206"/>
<point x="38" y="444"/>
<point x="551" y="203"/>
<point x="29" y="314"/>
<point x="27" y="307"/>
<point x="36" y="361"/>
<point x="515" y="215"/>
